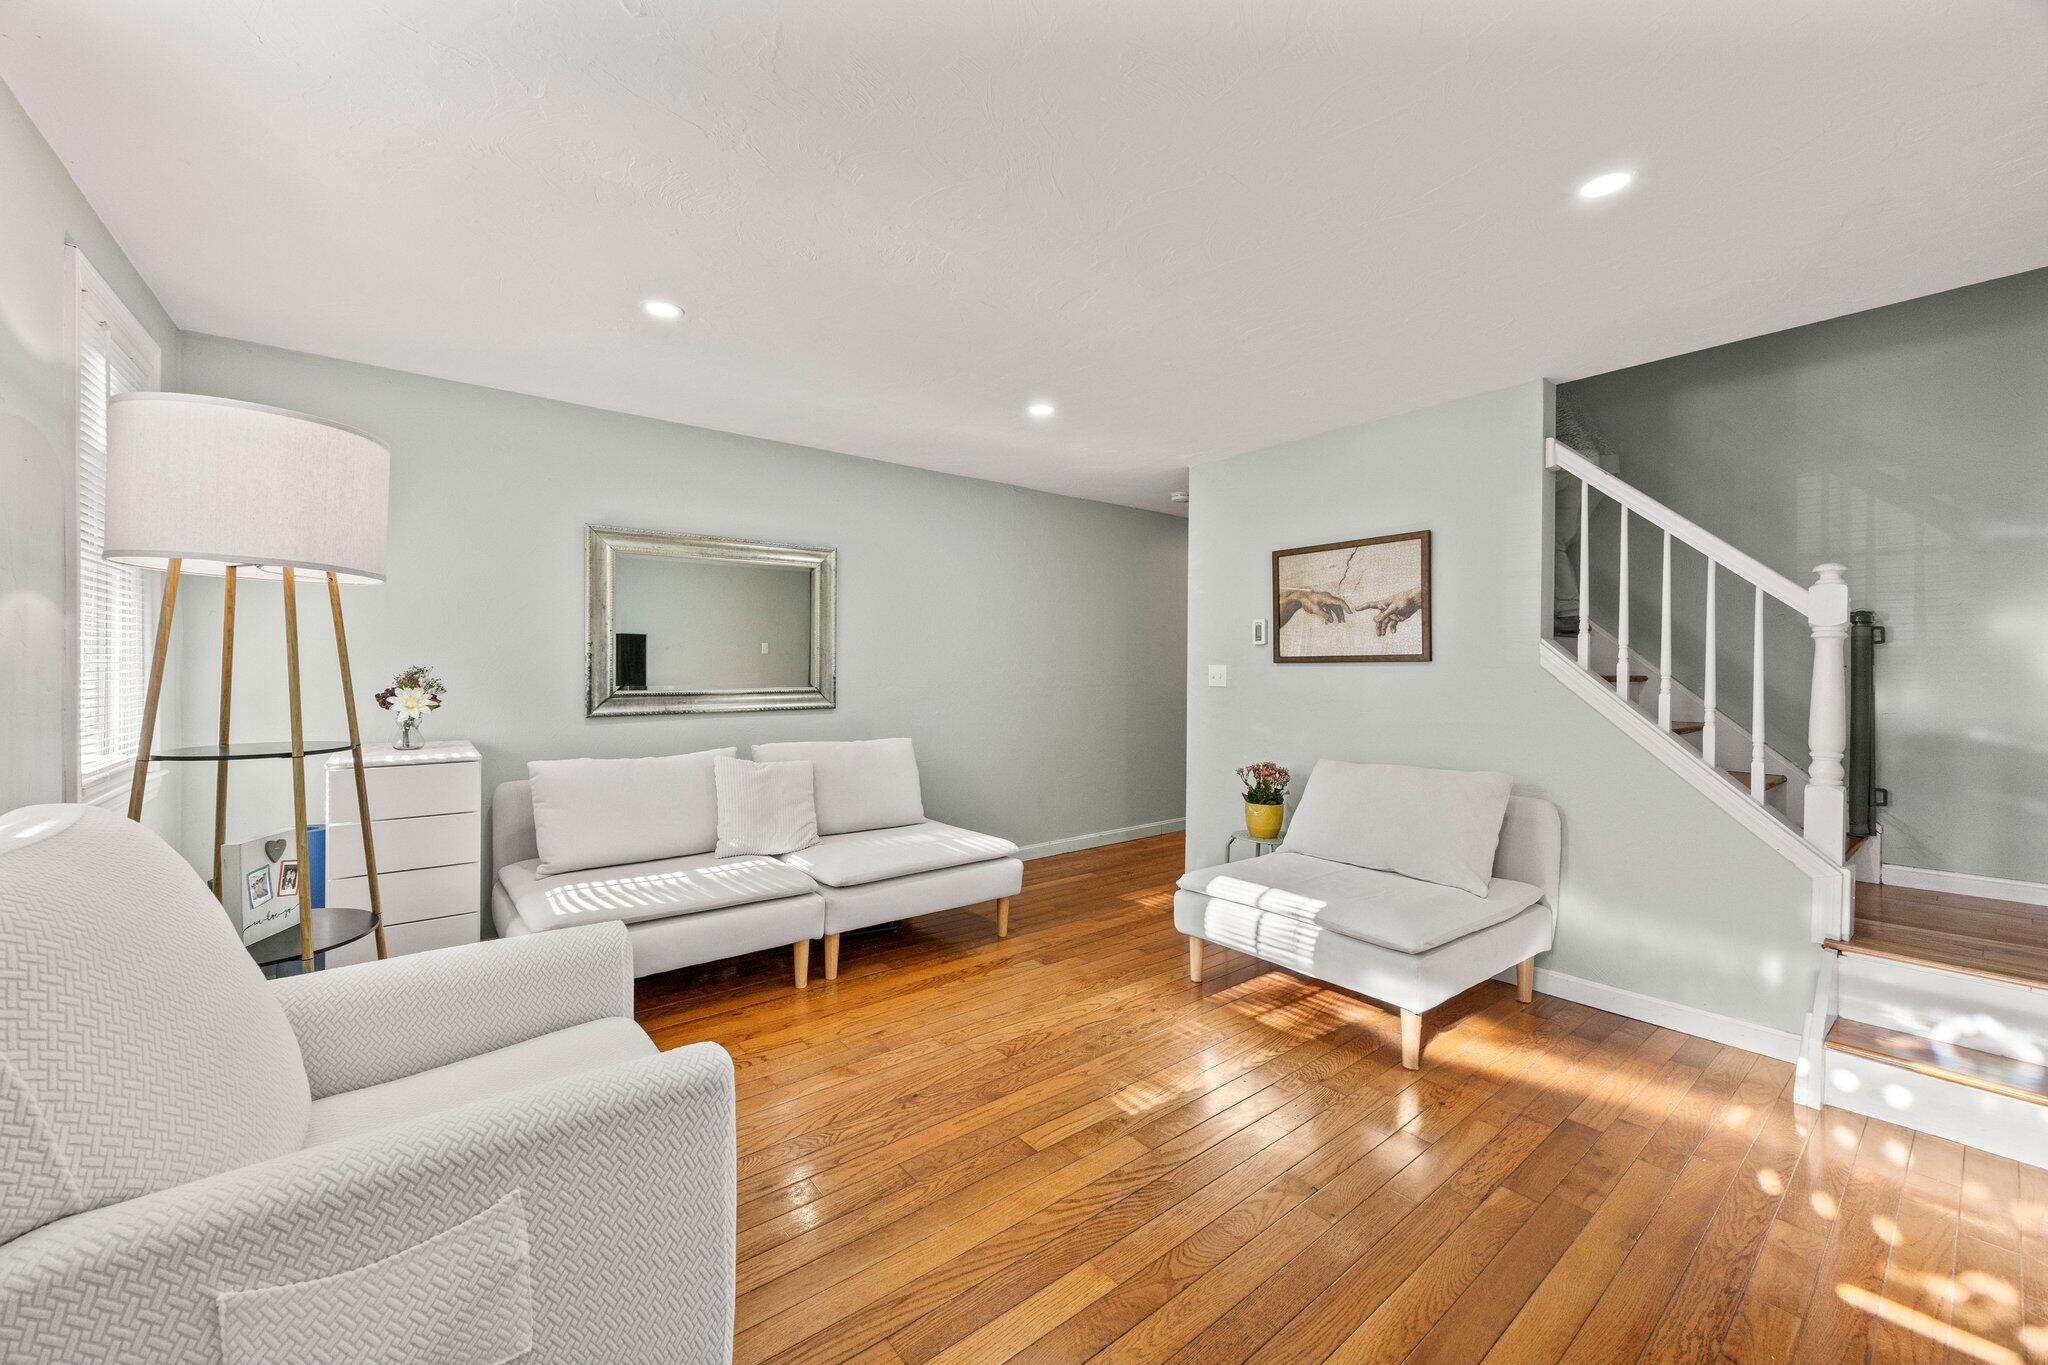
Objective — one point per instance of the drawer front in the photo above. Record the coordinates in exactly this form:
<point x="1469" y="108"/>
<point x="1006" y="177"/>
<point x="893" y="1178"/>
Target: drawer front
<point x="427" y="841"/>
<point x="401" y="792"/>
<point x="424" y="893"/>
<point x="416" y="937"/>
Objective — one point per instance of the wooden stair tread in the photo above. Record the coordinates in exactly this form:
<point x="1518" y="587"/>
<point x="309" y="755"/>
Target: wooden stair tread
<point x="1688" y="727"/>
<point x="1929" y="955"/>
<point x="1944" y="1061"/>
<point x="1633" y="677"/>
<point x="1772" y="781"/>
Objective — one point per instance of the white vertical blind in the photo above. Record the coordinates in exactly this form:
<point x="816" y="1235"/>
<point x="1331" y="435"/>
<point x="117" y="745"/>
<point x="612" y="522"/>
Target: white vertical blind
<point x="116" y="617"/>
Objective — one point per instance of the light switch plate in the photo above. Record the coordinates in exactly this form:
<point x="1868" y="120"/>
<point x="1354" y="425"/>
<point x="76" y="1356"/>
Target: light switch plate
<point x="1219" y="675"/>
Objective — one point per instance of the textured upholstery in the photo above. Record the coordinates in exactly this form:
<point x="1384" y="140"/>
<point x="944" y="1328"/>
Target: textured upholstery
<point x="536" y="1061"/>
<point x="878" y="854"/>
<point x="375" y="1022"/>
<point x="920" y="893"/>
<point x="626" y="1175"/>
<point x="1402" y="913"/>
<point x="599" y="812"/>
<point x="1429" y="823"/>
<point x="140" y="1047"/>
<point x="861" y="783"/>
<point x="764" y="808"/>
<point x="640" y="891"/>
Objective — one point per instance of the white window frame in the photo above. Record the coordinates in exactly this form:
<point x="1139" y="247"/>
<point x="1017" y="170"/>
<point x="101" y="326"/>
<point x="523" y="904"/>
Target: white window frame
<point x="91" y="296"/>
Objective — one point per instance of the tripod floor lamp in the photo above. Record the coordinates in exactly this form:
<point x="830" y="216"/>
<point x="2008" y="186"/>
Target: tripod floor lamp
<point x="199" y="485"/>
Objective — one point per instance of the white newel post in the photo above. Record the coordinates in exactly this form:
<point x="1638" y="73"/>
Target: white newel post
<point x="1827" y="725"/>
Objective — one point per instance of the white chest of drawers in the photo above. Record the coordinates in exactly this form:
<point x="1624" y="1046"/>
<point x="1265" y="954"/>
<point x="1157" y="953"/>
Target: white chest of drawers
<point x="426" y="820"/>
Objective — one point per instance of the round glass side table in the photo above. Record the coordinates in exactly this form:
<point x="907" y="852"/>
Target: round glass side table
<point x="333" y="927"/>
<point x="1260" y="847"/>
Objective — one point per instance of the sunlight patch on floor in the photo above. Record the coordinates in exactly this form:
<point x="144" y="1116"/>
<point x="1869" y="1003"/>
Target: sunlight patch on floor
<point x="1926" y="1325"/>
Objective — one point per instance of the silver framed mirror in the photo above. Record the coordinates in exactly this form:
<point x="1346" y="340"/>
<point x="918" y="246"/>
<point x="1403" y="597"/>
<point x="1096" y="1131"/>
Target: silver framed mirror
<point x="689" y="623"/>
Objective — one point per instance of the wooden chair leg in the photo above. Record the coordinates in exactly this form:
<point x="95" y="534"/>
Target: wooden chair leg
<point x="1411" y="1040"/>
<point x="831" y="957"/>
<point x="801" y="952"/>
<point x="1525" y="980"/>
<point x="1194" y="959"/>
<point x="1003" y="917"/>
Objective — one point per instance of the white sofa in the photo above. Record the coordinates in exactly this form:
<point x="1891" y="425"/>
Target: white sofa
<point x="466" y="1154"/>
<point x="1408" y="885"/>
<point x="877" y="859"/>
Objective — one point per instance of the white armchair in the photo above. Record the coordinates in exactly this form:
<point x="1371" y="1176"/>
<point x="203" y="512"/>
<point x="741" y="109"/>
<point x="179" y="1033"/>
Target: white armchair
<point x="471" y="1155"/>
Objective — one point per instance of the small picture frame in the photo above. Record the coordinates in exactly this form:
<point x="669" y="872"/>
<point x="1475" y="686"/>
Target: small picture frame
<point x="288" y="877"/>
<point x="259" y="887"/>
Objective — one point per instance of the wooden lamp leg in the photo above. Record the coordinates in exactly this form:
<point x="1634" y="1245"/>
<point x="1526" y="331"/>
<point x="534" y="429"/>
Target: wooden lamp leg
<point x="291" y="665"/>
<point x="1003" y="917"/>
<point x="1411" y="1040"/>
<point x="355" y="750"/>
<point x="1194" y="959"/>
<point x="800" y="953"/>
<point x="1525" y="980"/>
<point x="140" y="781"/>
<point x="227" y="689"/>
<point x="831" y="957"/>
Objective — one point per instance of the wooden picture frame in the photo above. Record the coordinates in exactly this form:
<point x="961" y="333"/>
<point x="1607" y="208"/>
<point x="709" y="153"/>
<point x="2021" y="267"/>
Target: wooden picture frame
<point x="1353" y="601"/>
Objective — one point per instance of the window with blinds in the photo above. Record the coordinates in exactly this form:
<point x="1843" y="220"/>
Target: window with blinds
<point x="115" y="604"/>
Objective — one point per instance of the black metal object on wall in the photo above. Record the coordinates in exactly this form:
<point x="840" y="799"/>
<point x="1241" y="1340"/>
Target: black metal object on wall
<point x="1865" y="796"/>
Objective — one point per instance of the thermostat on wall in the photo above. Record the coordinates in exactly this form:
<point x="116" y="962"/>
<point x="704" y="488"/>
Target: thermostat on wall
<point x="1259" y="631"/>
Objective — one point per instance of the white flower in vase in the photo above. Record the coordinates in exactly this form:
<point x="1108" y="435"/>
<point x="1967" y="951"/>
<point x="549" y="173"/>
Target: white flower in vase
<point x="410" y="703"/>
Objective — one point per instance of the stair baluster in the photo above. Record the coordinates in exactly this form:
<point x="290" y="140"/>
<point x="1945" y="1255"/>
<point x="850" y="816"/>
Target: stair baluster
<point x="1756" y="704"/>
<point x="1664" y="646"/>
<point x="1585" y="575"/>
<point x="1827" y="725"/>
<point x="1621" y="659"/>
<point x="1710" y="700"/>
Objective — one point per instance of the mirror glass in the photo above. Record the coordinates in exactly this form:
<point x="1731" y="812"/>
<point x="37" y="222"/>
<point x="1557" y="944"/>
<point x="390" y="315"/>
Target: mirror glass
<point x="684" y="622"/>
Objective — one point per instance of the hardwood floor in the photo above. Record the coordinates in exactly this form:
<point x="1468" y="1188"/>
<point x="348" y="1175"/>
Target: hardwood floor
<point x="1054" y="1148"/>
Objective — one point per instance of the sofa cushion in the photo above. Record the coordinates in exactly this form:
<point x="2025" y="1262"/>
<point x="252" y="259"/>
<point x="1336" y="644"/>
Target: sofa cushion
<point x="1384" y="908"/>
<point x="860" y="783"/>
<point x="566" y="1052"/>
<point x="651" y="890"/>
<point x="140" y="1046"/>
<point x="764" y="808"/>
<point x="877" y="854"/>
<point x="1430" y="823"/>
<point x="601" y="812"/>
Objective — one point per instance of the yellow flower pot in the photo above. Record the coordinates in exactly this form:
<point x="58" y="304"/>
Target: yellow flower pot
<point x="1263" y="822"/>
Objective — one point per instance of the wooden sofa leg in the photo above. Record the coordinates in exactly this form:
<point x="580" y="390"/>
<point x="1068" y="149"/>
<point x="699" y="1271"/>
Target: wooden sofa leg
<point x="1194" y="959"/>
<point x="1525" y="980"/>
<point x="831" y="957"/>
<point x="801" y="951"/>
<point x="1411" y="1040"/>
<point x="1003" y="917"/>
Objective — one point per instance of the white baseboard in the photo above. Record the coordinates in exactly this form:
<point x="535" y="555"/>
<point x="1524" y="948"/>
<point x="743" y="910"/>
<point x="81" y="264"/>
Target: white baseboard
<point x="1964" y="884"/>
<point x="1719" y="1028"/>
<point x="1077" y="842"/>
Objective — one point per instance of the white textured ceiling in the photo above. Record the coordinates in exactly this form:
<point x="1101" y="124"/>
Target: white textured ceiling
<point x="1199" y="226"/>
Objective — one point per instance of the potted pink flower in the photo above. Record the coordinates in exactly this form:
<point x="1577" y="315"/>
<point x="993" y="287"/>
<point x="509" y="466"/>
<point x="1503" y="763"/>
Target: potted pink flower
<point x="1265" y="797"/>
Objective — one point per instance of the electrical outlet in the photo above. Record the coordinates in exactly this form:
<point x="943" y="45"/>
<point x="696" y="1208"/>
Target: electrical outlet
<point x="1219" y="675"/>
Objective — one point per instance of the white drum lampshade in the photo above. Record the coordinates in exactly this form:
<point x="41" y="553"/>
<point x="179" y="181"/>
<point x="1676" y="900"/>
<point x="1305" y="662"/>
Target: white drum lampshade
<point x="213" y="483"/>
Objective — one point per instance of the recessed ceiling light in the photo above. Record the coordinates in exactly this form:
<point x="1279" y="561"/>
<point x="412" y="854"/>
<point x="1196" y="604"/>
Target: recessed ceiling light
<point x="1600" y="186"/>
<point x="1041" y="409"/>
<point x="663" y="309"/>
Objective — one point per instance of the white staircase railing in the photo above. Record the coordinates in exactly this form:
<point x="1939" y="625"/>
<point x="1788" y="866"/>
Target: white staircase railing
<point x="1824" y="606"/>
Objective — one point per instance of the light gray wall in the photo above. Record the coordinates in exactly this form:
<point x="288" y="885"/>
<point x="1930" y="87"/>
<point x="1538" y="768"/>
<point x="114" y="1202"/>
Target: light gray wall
<point x="1911" y="444"/>
<point x="1030" y="644"/>
<point x="716" y="626"/>
<point x="1663" y="894"/>
<point x="41" y="211"/>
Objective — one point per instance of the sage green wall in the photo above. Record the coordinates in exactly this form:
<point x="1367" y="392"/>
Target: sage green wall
<point x="1911" y="444"/>
<point x="41" y="212"/>
<point x="1663" y="893"/>
<point x="1030" y="644"/>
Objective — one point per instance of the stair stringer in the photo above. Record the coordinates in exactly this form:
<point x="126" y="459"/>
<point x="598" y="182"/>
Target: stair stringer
<point x="1831" y="909"/>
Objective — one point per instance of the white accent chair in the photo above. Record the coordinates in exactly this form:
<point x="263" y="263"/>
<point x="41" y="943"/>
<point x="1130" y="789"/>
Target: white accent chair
<point x="1408" y="885"/>
<point x="877" y="859"/>
<point x="466" y="1155"/>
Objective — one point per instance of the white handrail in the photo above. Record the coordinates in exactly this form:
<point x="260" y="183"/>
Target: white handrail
<point x="1558" y="455"/>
